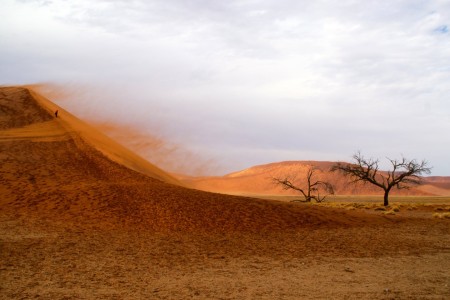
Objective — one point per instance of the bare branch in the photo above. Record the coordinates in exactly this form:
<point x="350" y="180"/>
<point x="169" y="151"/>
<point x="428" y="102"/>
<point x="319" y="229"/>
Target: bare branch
<point x="286" y="184"/>
<point x="404" y="172"/>
<point x="311" y="188"/>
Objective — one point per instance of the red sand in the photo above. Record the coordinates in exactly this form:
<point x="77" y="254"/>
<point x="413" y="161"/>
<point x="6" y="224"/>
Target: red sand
<point x="83" y="217"/>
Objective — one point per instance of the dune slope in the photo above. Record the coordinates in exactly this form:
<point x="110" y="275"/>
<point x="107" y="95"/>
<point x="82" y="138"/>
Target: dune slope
<point x="61" y="168"/>
<point x="102" y="143"/>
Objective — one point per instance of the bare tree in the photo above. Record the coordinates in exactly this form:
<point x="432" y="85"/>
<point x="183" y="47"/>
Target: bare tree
<point x="313" y="187"/>
<point x="403" y="174"/>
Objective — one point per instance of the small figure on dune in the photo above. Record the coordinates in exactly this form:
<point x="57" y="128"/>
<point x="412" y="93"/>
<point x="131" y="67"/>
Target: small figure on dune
<point x="56" y="113"/>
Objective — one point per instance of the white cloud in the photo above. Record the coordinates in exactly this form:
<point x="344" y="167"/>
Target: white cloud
<point x="297" y="77"/>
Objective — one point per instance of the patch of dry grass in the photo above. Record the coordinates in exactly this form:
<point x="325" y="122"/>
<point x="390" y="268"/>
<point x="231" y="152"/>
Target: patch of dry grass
<point x="412" y="207"/>
<point x="396" y="208"/>
<point x="442" y="210"/>
<point x="389" y="212"/>
<point x="445" y="215"/>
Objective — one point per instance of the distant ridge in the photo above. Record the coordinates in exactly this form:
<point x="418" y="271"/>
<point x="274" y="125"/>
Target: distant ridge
<point x="256" y="180"/>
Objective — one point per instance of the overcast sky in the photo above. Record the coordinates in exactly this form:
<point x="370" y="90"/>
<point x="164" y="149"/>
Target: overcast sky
<point x="247" y="82"/>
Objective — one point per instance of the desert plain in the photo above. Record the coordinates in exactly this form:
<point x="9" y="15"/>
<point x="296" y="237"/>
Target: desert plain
<point x="82" y="217"/>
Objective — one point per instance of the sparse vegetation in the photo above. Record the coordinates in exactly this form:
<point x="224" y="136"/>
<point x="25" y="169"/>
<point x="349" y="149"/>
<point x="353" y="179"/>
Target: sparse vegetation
<point x="412" y="207"/>
<point x="445" y="215"/>
<point x="404" y="173"/>
<point x="312" y="189"/>
<point x="389" y="212"/>
<point x="396" y="208"/>
<point x="442" y="209"/>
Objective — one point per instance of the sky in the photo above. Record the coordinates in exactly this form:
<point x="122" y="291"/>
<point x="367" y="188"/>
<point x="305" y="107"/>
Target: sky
<point x="231" y="84"/>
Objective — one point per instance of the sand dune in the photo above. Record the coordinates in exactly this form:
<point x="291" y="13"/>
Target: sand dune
<point x="84" y="218"/>
<point x="64" y="168"/>
<point x="105" y="145"/>
<point x="257" y="180"/>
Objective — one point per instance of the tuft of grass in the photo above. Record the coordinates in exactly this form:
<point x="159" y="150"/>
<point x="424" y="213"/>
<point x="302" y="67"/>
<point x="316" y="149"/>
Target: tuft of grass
<point x="380" y="208"/>
<point x="389" y="212"/>
<point x="445" y="215"/>
<point x="359" y="205"/>
<point x="412" y="207"/>
<point x="443" y="209"/>
<point x="396" y="208"/>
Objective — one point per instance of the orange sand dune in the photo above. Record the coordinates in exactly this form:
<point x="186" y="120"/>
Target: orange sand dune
<point x="61" y="166"/>
<point x="84" y="218"/>
<point x="108" y="147"/>
<point x="257" y="180"/>
<point x="437" y="185"/>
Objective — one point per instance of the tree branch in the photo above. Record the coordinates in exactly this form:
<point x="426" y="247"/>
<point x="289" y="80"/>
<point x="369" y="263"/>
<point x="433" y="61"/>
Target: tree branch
<point x="403" y="174"/>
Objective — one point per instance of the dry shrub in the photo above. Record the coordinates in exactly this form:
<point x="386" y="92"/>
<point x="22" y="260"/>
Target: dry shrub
<point x="359" y="205"/>
<point x="412" y="207"/>
<point x="443" y="209"/>
<point x="371" y="206"/>
<point x="396" y="208"/>
<point x="445" y="215"/>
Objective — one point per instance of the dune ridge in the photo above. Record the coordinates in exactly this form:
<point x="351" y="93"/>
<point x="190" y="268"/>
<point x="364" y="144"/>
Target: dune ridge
<point x="101" y="142"/>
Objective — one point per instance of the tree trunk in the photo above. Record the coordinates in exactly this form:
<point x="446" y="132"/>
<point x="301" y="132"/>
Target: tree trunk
<point x="386" y="196"/>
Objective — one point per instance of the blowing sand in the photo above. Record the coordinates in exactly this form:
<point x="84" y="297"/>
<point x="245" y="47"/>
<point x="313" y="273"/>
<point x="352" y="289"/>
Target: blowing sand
<point x="80" y="220"/>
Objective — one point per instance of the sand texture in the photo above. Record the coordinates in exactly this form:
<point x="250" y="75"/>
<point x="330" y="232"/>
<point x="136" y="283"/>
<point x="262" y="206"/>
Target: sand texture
<point x="81" y="217"/>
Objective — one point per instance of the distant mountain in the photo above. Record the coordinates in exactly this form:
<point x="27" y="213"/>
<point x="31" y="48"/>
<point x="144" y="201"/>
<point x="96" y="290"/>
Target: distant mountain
<point x="257" y="180"/>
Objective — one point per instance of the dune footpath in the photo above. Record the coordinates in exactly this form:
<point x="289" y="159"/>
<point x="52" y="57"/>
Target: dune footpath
<point x="82" y="217"/>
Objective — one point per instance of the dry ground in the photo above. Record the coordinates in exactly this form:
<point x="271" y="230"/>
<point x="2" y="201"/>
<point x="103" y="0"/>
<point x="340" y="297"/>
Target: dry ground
<point x="402" y="260"/>
<point x="75" y="224"/>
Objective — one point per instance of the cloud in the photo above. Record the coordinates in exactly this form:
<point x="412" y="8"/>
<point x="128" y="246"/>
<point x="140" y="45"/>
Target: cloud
<point x="317" y="78"/>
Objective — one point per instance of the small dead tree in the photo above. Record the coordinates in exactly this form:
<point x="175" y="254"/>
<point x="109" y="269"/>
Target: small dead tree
<point x="312" y="189"/>
<point x="403" y="175"/>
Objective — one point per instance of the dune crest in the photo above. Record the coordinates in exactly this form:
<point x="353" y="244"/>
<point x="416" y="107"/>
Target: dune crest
<point x="114" y="151"/>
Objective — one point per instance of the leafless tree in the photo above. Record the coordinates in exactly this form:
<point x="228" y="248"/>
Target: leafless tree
<point x="312" y="189"/>
<point x="403" y="175"/>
